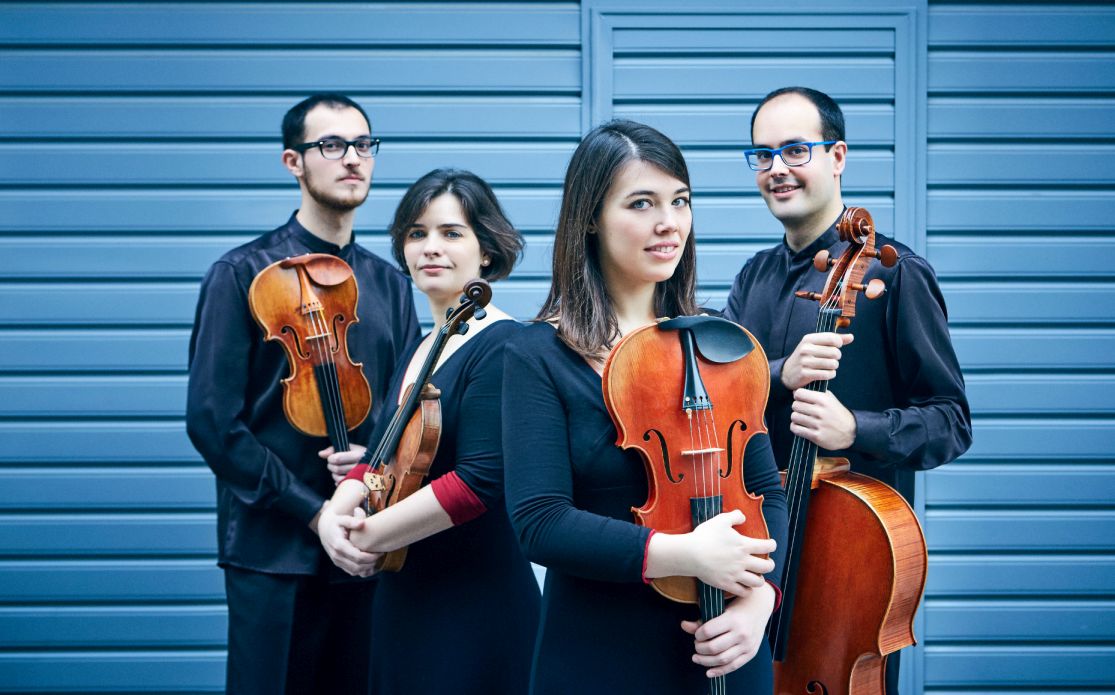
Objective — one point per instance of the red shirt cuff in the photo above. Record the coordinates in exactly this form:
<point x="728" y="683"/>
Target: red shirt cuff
<point x="457" y="499"/>
<point x="646" y="556"/>
<point x="777" y="595"/>
<point x="357" y="472"/>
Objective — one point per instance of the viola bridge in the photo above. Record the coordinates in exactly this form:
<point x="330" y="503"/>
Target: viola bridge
<point x="700" y="452"/>
<point x="374" y="482"/>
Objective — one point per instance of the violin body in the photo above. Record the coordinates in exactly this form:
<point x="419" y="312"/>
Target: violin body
<point x="407" y="470"/>
<point x="644" y="382"/>
<point x="862" y="573"/>
<point x="307" y="304"/>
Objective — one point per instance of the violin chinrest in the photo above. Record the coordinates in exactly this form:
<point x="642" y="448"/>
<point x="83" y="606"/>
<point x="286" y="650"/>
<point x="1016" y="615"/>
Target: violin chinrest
<point x="718" y="340"/>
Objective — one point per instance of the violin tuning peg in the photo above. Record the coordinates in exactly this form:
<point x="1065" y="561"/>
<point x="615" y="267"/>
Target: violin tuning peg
<point x="463" y="329"/>
<point x="448" y="312"/>
<point x="480" y="314"/>
<point x="463" y="299"/>
<point x="823" y="261"/>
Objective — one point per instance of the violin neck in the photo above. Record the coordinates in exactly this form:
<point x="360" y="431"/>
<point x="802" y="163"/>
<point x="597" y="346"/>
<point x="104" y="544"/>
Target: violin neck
<point x="709" y="598"/>
<point x="332" y="407"/>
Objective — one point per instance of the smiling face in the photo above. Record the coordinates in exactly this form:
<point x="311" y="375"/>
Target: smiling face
<point x="335" y="184"/>
<point x="643" y="225"/>
<point x="441" y="249"/>
<point x="806" y="198"/>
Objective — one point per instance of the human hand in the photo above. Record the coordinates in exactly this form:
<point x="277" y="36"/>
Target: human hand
<point x="822" y="419"/>
<point x="731" y="639"/>
<point x="814" y="359"/>
<point x="340" y="463"/>
<point x="727" y="560"/>
<point x="333" y="531"/>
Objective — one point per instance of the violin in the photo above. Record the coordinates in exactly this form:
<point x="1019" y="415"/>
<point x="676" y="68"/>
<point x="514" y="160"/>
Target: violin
<point x="687" y="394"/>
<point x="856" y="555"/>
<point x="307" y="303"/>
<point x="401" y="461"/>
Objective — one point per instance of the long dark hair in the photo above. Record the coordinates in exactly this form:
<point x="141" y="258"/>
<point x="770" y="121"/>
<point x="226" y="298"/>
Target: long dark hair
<point x="578" y="297"/>
<point x="499" y="240"/>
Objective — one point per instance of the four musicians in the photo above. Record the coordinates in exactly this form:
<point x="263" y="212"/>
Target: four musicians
<point x="527" y="466"/>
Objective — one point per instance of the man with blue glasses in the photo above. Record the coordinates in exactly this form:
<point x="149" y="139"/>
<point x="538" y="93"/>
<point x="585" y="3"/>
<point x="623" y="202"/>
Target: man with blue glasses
<point x="292" y="628"/>
<point x="896" y="401"/>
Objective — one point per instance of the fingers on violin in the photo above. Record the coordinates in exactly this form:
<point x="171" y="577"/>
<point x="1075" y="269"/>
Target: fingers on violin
<point x="326" y="452"/>
<point x="690" y="626"/>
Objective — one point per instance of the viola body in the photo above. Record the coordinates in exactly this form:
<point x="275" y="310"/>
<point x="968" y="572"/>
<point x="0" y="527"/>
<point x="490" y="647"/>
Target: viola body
<point x="644" y="381"/>
<point x="408" y="468"/>
<point x="862" y="574"/>
<point x="307" y="304"/>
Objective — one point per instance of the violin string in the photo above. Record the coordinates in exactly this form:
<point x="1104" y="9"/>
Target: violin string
<point x="331" y="406"/>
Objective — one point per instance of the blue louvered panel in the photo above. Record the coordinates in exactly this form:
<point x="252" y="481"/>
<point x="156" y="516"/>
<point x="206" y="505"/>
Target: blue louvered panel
<point x="92" y="396"/>
<point x="199" y="626"/>
<point x="256" y="164"/>
<point x="1035" y="484"/>
<point x="258" y="117"/>
<point x="128" y="581"/>
<point x="1019" y="620"/>
<point x="135" y="488"/>
<point x="223" y="210"/>
<point x="1019" y="99"/>
<point x="122" y="671"/>
<point x="298" y="24"/>
<point x="292" y="71"/>
<point x="73" y="535"/>
<point x="103" y="350"/>
<point x="52" y="443"/>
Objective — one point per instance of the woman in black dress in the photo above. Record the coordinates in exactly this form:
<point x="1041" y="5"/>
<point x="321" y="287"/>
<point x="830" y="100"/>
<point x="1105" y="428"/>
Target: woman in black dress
<point x="623" y="255"/>
<point x="461" y="615"/>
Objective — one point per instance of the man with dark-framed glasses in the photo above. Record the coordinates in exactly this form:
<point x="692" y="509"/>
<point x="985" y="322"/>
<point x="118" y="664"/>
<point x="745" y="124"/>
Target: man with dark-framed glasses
<point x="295" y="623"/>
<point x="896" y="401"/>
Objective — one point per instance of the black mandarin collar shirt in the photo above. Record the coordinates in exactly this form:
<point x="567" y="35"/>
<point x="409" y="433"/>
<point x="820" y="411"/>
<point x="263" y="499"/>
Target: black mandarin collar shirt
<point x="900" y="377"/>
<point x="270" y="480"/>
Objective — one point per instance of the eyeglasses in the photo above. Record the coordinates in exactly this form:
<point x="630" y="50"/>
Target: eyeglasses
<point x="337" y="148"/>
<point x="793" y="155"/>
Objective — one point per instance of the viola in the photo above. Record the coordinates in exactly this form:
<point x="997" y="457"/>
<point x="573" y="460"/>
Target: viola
<point x="856" y="555"/>
<point x="307" y="303"/>
<point x="687" y="394"/>
<point x="401" y="461"/>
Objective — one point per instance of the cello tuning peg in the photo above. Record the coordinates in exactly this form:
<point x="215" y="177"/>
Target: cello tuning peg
<point x="886" y="255"/>
<point x="808" y="295"/>
<point x="823" y="261"/>
<point x="872" y="290"/>
<point x="480" y="314"/>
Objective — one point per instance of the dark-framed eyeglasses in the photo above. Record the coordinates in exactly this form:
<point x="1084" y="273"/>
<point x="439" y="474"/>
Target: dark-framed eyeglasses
<point x="337" y="148"/>
<point x="793" y="155"/>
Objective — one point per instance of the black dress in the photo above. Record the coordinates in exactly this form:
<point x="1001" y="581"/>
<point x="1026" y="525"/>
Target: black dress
<point x="461" y="615"/>
<point x="570" y="491"/>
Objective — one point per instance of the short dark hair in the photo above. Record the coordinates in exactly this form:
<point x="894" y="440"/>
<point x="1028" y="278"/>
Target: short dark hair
<point x="499" y="240"/>
<point x="294" y="122"/>
<point x="578" y="295"/>
<point x="832" y="118"/>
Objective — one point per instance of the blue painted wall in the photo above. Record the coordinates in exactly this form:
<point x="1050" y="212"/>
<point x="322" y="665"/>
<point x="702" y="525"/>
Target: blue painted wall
<point x="138" y="141"/>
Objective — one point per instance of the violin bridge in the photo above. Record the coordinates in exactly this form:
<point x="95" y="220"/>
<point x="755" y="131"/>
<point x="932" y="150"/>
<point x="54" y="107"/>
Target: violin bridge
<point x="374" y="482"/>
<point x="699" y="452"/>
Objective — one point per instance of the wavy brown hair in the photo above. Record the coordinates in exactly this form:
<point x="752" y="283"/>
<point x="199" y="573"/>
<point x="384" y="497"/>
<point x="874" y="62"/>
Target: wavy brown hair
<point x="578" y="299"/>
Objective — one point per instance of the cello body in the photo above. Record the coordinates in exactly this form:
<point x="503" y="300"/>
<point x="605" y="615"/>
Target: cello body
<point x="861" y="576"/>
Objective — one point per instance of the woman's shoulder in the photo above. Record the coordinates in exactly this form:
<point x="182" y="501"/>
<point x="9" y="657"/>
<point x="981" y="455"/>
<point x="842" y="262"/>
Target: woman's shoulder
<point x="535" y="336"/>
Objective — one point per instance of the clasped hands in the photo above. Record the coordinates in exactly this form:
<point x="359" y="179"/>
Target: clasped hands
<point x="342" y="518"/>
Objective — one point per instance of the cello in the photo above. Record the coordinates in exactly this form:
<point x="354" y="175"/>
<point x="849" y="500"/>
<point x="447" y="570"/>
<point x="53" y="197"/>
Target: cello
<point x="307" y="303"/>
<point x="856" y="555"/>
<point x="687" y="394"/>
<point x="401" y="461"/>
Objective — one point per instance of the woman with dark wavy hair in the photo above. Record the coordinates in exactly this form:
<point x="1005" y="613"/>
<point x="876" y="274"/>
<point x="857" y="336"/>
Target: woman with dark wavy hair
<point x="461" y="615"/>
<point x="623" y="256"/>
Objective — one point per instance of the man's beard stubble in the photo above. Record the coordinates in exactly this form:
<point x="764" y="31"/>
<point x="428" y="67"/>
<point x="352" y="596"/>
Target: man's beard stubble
<point x="329" y="201"/>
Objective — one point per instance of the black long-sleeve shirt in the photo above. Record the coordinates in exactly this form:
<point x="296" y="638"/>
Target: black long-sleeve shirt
<point x="570" y="491"/>
<point x="900" y="377"/>
<point x="270" y="480"/>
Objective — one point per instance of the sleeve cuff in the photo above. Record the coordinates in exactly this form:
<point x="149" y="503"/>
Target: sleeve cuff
<point x="357" y="472"/>
<point x="872" y="433"/>
<point x="457" y="499"/>
<point x="777" y="388"/>
<point x="777" y="595"/>
<point x="646" y="555"/>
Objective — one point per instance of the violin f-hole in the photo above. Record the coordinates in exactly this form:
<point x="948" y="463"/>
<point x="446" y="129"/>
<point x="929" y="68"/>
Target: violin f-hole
<point x="665" y="456"/>
<point x="731" y="449"/>
<point x="302" y="355"/>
